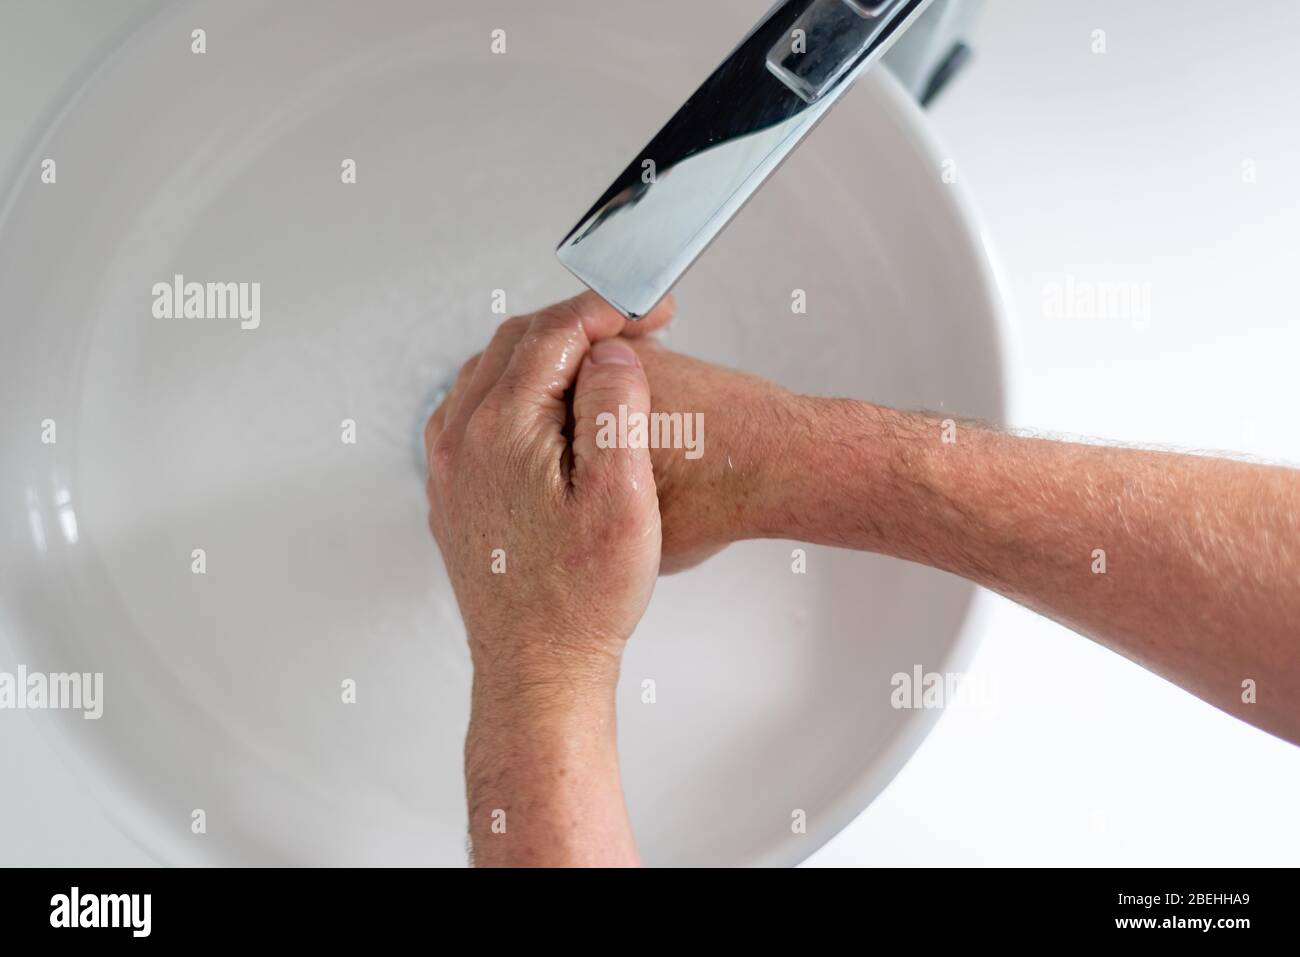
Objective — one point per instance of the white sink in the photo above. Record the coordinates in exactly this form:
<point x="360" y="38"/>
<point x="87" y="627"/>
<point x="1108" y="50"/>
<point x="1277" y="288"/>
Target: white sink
<point x="222" y="690"/>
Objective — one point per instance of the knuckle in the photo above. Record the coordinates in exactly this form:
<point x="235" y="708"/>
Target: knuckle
<point x="442" y="458"/>
<point x="561" y="319"/>
<point x="568" y="312"/>
<point x="468" y="368"/>
<point x="512" y="328"/>
<point x="508" y="332"/>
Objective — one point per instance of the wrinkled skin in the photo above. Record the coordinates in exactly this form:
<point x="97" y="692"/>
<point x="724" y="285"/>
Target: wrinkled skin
<point x="553" y="545"/>
<point x="578" y="525"/>
<point x="707" y="503"/>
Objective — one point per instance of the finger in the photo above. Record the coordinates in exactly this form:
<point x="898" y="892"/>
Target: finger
<point x="491" y="364"/>
<point x="612" y="387"/>
<point x="547" y="358"/>
<point x="602" y="320"/>
<point x="433" y="428"/>
<point x="652" y="321"/>
<point x="587" y="307"/>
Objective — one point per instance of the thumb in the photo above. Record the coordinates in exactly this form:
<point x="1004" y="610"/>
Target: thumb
<point x="611" y="454"/>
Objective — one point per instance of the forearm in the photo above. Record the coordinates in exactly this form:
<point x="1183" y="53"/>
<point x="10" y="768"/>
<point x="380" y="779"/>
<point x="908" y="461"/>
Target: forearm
<point x="541" y="773"/>
<point x="1189" y="565"/>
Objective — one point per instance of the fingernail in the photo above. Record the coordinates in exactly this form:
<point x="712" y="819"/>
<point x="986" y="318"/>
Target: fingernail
<point x="613" y="352"/>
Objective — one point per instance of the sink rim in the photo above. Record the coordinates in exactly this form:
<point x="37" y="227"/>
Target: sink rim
<point x="855" y="798"/>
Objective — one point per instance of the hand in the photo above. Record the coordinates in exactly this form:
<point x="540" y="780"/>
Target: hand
<point x="552" y="545"/>
<point x="708" y="502"/>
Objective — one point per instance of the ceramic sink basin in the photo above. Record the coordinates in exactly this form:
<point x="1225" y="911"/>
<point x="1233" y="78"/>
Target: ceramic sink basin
<point x="222" y="690"/>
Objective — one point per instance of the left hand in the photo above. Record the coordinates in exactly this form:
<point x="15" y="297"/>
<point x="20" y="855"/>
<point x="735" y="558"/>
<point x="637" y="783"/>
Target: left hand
<point x="552" y="544"/>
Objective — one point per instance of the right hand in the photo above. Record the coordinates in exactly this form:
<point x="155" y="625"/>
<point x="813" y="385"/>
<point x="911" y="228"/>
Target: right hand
<point x="709" y="502"/>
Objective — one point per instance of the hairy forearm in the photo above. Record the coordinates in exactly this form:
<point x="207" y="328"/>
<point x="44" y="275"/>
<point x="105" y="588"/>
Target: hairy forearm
<point x="1189" y="565"/>
<point x="541" y="773"/>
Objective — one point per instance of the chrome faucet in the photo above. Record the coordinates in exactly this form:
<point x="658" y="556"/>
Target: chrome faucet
<point x="728" y="138"/>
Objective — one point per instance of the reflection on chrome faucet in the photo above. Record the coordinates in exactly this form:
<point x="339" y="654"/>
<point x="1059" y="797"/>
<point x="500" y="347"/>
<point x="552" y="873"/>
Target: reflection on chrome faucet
<point x="700" y="169"/>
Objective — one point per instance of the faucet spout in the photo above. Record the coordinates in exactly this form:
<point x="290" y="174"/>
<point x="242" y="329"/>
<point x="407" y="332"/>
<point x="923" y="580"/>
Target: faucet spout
<point x="678" y="194"/>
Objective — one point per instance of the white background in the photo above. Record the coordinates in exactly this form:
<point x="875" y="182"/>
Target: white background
<point x="1120" y="167"/>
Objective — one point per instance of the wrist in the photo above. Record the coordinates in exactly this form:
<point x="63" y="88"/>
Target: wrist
<point x="547" y="678"/>
<point x="840" y="474"/>
<point x="541" y="770"/>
